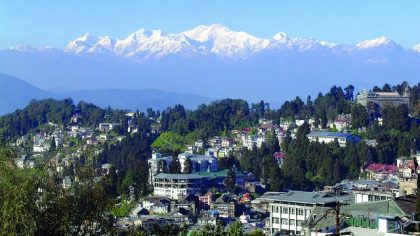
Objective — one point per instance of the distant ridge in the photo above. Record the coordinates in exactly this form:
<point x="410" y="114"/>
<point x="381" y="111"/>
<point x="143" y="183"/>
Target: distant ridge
<point x="16" y="93"/>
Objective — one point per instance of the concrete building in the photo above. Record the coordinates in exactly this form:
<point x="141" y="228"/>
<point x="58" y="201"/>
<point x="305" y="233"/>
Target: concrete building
<point x="328" y="137"/>
<point x="289" y="210"/>
<point x="408" y="174"/>
<point x="383" y="98"/>
<point x="372" y="196"/>
<point x="154" y="165"/>
<point x="200" y="163"/>
<point x="176" y="186"/>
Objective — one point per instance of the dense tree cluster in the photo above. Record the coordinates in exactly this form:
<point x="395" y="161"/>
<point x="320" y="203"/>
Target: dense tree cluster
<point x="129" y="159"/>
<point x="209" y="120"/>
<point x="60" y="112"/>
<point x="33" y="203"/>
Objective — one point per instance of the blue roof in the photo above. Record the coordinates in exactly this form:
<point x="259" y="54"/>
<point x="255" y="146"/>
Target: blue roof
<point x="329" y="134"/>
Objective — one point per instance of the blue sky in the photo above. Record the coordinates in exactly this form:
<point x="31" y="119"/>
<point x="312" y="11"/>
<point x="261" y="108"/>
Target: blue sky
<point x="54" y="23"/>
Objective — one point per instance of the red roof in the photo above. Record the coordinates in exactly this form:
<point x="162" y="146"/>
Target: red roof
<point x="279" y="155"/>
<point x="382" y="168"/>
<point x="268" y="126"/>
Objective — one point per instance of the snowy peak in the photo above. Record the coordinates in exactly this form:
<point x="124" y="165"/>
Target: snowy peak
<point x="81" y="44"/>
<point x="374" y="43"/>
<point x="222" y="41"/>
<point x="280" y="36"/>
<point x="204" y="33"/>
<point x="416" y="48"/>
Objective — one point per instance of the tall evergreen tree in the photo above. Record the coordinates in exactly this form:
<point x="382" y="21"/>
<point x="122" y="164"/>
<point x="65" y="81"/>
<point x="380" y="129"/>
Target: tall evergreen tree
<point x="175" y="166"/>
<point x="163" y="166"/>
<point x="187" y="166"/>
<point x="230" y="181"/>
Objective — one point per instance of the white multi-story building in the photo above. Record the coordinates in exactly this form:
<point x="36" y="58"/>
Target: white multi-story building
<point x="200" y="163"/>
<point x="175" y="186"/>
<point x="154" y="163"/>
<point x="383" y="98"/>
<point x="289" y="210"/>
<point x="328" y="137"/>
<point x="372" y="196"/>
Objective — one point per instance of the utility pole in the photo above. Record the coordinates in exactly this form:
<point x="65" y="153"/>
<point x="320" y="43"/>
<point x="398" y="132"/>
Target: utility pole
<point x="337" y="218"/>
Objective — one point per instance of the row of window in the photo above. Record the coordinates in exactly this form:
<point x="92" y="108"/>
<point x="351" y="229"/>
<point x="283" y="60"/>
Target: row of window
<point x="376" y="198"/>
<point x="289" y="210"/>
<point x="284" y="221"/>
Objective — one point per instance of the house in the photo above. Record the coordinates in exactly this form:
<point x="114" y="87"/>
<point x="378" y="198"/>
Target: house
<point x="205" y="201"/>
<point x="228" y="142"/>
<point x="67" y="182"/>
<point x="92" y="141"/>
<point x="139" y="211"/>
<point x="156" y="205"/>
<point x="341" y="122"/>
<point x="104" y="137"/>
<point x="180" y="216"/>
<point x="407" y="177"/>
<point x="149" y="222"/>
<point x="381" y="171"/>
<point x="208" y="218"/>
<point x="279" y="157"/>
<point x="225" y="205"/>
<point x="106" y="127"/>
<point x="267" y="127"/>
<point x="199" y="144"/>
<point x="328" y="137"/>
<point x="189" y="202"/>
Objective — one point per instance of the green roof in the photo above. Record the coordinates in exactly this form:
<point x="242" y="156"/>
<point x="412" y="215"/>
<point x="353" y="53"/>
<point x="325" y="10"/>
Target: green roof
<point x="373" y="209"/>
<point x="217" y="174"/>
<point x="369" y="210"/>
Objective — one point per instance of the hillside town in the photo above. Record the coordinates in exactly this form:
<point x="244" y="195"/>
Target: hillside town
<point x="195" y="187"/>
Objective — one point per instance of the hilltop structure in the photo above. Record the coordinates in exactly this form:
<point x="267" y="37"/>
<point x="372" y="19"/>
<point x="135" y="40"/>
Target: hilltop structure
<point x="383" y="98"/>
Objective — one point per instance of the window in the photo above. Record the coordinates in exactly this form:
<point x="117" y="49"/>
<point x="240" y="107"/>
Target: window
<point x="292" y="211"/>
<point x="285" y="210"/>
<point x="377" y="198"/>
<point x="383" y="198"/>
<point x="275" y="220"/>
<point x="284" y="221"/>
<point x="299" y="223"/>
<point x="275" y="209"/>
<point x="370" y="198"/>
<point x="292" y="222"/>
<point x="300" y="211"/>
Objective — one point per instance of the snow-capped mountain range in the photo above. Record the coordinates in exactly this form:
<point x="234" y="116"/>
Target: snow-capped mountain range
<point x="214" y="39"/>
<point x="213" y="61"/>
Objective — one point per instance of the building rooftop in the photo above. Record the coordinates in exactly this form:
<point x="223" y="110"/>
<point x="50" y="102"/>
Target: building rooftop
<point x="382" y="168"/>
<point x="308" y="197"/>
<point x="373" y="209"/>
<point x="329" y="134"/>
<point x="177" y="176"/>
<point x="216" y="174"/>
<point x="196" y="157"/>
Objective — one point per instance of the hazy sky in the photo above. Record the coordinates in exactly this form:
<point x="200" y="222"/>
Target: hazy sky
<point x="54" y="23"/>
